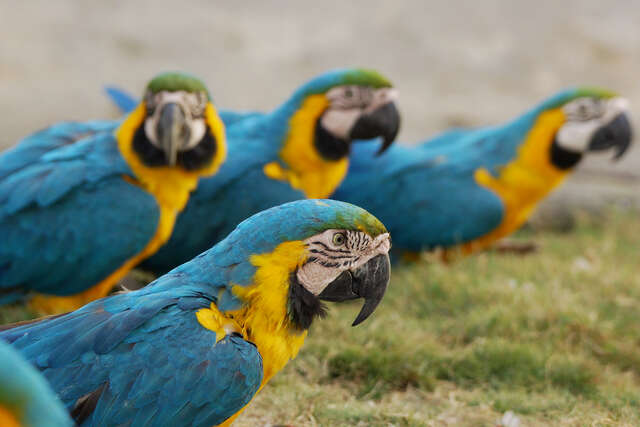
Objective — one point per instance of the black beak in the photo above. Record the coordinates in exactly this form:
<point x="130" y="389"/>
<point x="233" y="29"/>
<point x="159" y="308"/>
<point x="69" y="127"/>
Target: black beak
<point x="368" y="281"/>
<point x="383" y="122"/>
<point x="617" y="134"/>
<point x="172" y="131"/>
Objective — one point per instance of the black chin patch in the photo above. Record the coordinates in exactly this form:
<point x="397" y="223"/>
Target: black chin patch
<point x="196" y="158"/>
<point x="562" y="158"/>
<point x="149" y="154"/>
<point x="200" y="155"/>
<point x="304" y="307"/>
<point x="330" y="147"/>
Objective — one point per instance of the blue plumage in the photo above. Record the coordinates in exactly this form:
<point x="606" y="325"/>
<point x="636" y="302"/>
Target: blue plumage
<point x="436" y="200"/>
<point x="57" y="193"/>
<point x="142" y="358"/>
<point x="241" y="188"/>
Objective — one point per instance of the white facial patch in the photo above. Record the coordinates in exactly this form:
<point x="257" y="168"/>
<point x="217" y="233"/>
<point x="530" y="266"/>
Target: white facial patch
<point x="348" y="103"/>
<point x="192" y="105"/>
<point x="329" y="255"/>
<point x="339" y="122"/>
<point x="585" y="116"/>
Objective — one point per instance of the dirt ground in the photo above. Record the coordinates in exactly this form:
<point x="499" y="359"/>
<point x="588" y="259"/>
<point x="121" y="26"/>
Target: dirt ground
<point x="455" y="63"/>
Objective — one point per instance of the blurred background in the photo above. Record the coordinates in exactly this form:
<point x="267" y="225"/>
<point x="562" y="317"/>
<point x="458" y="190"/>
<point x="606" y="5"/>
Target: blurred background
<point x="455" y="63"/>
<point x="552" y="337"/>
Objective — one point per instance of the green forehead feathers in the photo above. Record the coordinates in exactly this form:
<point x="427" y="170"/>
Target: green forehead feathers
<point x="363" y="77"/>
<point x="595" y="92"/>
<point x="177" y="81"/>
<point x="362" y="220"/>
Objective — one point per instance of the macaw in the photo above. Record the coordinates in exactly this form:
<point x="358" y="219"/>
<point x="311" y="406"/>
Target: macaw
<point x="465" y="189"/>
<point x="298" y="150"/>
<point x="26" y="400"/>
<point x="83" y="203"/>
<point x="194" y="346"/>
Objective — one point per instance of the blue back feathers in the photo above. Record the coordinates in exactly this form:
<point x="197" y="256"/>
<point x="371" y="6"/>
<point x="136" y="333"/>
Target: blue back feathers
<point x="60" y="189"/>
<point x="436" y="201"/>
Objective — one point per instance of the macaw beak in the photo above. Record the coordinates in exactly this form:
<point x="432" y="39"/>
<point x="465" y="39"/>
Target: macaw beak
<point x="172" y="131"/>
<point x="617" y="135"/>
<point x="369" y="281"/>
<point x="383" y="122"/>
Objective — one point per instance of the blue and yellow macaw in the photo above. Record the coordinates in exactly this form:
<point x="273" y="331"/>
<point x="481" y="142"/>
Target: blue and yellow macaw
<point x="83" y="203"/>
<point x="194" y="346"/>
<point x="465" y="189"/>
<point x="298" y="150"/>
<point x="26" y="400"/>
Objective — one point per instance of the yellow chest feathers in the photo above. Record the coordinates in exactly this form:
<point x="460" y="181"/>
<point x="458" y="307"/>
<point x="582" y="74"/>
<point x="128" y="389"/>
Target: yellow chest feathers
<point x="170" y="186"/>
<point x="523" y="182"/>
<point x="264" y="318"/>
<point x="306" y="170"/>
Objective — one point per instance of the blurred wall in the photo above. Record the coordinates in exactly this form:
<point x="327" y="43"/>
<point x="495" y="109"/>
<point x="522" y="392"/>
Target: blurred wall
<point x="465" y="62"/>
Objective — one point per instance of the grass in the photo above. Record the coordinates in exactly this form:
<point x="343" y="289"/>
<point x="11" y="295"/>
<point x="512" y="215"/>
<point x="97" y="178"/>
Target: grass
<point x="553" y="336"/>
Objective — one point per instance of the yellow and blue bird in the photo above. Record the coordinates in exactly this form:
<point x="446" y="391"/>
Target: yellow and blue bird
<point x="26" y="400"/>
<point x="196" y="345"/>
<point x="300" y="149"/>
<point x="465" y="189"/>
<point x="81" y="203"/>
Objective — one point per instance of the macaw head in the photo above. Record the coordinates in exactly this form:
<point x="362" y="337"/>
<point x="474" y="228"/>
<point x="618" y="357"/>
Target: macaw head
<point x="591" y="120"/>
<point x="346" y="259"/>
<point x="349" y="104"/>
<point x="305" y="252"/>
<point x="317" y="125"/>
<point x="177" y="125"/>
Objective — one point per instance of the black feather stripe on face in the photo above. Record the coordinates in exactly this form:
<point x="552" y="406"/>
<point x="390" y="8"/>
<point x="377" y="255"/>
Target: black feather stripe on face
<point x="304" y="307"/>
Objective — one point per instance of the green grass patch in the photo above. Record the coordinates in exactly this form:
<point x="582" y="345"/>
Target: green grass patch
<point x="553" y="336"/>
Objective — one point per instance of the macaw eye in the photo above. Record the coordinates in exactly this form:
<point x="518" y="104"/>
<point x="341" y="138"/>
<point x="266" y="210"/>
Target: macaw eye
<point x="348" y="93"/>
<point x="339" y="239"/>
<point x="150" y="104"/>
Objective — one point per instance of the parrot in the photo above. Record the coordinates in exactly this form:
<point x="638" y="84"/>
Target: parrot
<point x="298" y="150"/>
<point x="195" y="346"/>
<point x="466" y="188"/>
<point x="81" y="203"/>
<point x="26" y="400"/>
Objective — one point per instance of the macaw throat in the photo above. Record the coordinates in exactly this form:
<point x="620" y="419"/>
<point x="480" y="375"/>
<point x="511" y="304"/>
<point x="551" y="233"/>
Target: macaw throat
<point x="198" y="157"/>
<point x="330" y="147"/>
<point x="304" y="307"/>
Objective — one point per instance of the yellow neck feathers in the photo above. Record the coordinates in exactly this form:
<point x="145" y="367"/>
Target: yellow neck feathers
<point x="263" y="318"/>
<point x="523" y="182"/>
<point x="170" y="186"/>
<point x="307" y="170"/>
<point x="7" y="418"/>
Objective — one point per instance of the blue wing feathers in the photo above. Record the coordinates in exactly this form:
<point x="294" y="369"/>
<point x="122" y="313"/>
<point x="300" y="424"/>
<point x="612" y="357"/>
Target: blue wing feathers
<point x="437" y="201"/>
<point x="123" y="100"/>
<point x="155" y="361"/>
<point x="56" y="202"/>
